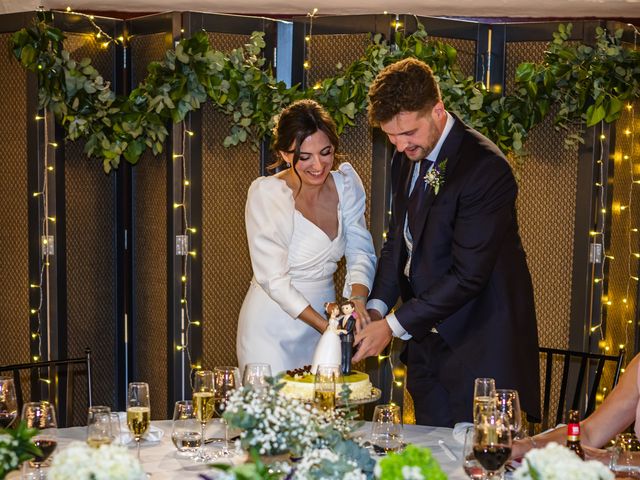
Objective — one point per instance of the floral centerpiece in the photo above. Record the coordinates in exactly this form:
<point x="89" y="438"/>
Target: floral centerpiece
<point x="16" y="447"/>
<point x="81" y="462"/>
<point x="272" y="424"/>
<point x="555" y="462"/>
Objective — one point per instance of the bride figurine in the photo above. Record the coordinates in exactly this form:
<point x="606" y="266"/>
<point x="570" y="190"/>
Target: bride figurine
<point x="329" y="348"/>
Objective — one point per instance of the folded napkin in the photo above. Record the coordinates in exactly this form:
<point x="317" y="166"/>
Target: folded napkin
<point x="459" y="429"/>
<point x="124" y="436"/>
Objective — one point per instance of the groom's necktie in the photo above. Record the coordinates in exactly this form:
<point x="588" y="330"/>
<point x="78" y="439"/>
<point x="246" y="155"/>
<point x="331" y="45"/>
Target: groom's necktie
<point x="416" y="199"/>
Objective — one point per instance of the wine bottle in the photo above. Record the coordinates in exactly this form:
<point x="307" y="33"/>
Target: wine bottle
<point x="573" y="433"/>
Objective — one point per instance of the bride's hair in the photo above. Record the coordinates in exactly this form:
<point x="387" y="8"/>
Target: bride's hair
<point x="330" y="307"/>
<point x="297" y="122"/>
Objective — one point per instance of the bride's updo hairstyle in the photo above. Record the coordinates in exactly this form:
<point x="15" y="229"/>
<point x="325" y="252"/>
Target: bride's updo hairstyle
<point x="297" y="122"/>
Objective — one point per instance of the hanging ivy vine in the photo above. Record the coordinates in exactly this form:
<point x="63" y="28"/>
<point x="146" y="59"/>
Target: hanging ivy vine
<point x="589" y="84"/>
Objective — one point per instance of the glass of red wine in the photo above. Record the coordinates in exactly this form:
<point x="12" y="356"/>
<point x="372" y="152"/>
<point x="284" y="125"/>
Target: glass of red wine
<point x="492" y="442"/>
<point x="470" y="464"/>
<point x="8" y="403"/>
<point x="42" y="417"/>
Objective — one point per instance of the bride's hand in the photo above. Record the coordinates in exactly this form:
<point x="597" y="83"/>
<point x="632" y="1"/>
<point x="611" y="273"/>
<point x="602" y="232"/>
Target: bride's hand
<point x="363" y="319"/>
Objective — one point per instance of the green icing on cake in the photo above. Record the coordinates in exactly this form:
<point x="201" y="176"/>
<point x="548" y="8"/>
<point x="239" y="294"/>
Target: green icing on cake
<point x="309" y="378"/>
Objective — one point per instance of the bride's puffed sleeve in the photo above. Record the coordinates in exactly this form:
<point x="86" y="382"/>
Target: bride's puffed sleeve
<point x="361" y="257"/>
<point x="269" y="219"/>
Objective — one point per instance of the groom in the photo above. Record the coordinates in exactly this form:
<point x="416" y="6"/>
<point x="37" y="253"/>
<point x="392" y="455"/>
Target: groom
<point x="453" y="255"/>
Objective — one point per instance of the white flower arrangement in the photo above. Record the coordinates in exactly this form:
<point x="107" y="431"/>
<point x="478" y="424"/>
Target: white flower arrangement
<point x="322" y="463"/>
<point x="555" y="462"/>
<point x="81" y="462"/>
<point x="8" y="458"/>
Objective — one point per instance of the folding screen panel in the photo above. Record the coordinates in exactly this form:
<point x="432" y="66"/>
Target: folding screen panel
<point x="17" y="135"/>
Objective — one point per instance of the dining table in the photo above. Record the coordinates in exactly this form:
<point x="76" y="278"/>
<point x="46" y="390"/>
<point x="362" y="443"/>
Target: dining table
<point x="161" y="460"/>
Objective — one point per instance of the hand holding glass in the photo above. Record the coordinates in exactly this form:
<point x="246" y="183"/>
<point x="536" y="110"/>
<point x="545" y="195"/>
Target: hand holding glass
<point x="138" y="411"/>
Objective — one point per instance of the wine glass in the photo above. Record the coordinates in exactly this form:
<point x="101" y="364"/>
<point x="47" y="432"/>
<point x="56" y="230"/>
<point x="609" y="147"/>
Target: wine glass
<point x="185" y="432"/>
<point x="99" y="429"/>
<point x="138" y="411"/>
<point x="203" y="404"/>
<point x="8" y="403"/>
<point x="484" y="392"/>
<point x="324" y="387"/>
<point x="255" y="375"/>
<point x="387" y="428"/>
<point x="42" y="417"/>
<point x="492" y="442"/>
<point x="470" y="464"/>
<point x="226" y="380"/>
<point x="508" y="402"/>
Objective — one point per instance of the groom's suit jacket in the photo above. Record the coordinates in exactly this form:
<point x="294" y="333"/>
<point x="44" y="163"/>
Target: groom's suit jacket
<point x="468" y="277"/>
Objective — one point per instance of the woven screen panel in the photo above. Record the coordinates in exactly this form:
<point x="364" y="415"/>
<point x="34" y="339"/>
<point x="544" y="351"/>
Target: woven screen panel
<point x="226" y="269"/>
<point x="546" y="215"/>
<point x="145" y="49"/>
<point x="91" y="254"/>
<point x="150" y="250"/>
<point x="14" y="227"/>
<point x="624" y="214"/>
<point x="324" y="52"/>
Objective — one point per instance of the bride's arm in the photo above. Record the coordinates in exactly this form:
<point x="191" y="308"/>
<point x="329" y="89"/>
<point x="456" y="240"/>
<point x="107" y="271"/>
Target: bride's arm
<point x="313" y="319"/>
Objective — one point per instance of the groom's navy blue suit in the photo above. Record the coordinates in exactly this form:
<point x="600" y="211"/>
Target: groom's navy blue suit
<point x="468" y="279"/>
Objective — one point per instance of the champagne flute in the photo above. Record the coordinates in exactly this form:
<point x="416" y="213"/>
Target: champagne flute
<point x="492" y="442"/>
<point x="99" y="430"/>
<point x="386" y="429"/>
<point x="42" y="417"/>
<point x="484" y="393"/>
<point x="324" y="387"/>
<point x="138" y="411"/>
<point x="470" y="464"/>
<point x="8" y="403"/>
<point x="508" y="402"/>
<point x="203" y="404"/>
<point x="185" y="432"/>
<point x="255" y="375"/>
<point x="226" y="380"/>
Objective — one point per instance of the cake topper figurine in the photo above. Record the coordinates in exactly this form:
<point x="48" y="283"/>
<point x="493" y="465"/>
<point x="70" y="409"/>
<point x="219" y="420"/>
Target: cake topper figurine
<point x="347" y="323"/>
<point x="329" y="348"/>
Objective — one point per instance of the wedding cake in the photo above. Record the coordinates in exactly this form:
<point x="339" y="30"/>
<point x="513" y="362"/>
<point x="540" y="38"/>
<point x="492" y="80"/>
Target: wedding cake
<point x="299" y="384"/>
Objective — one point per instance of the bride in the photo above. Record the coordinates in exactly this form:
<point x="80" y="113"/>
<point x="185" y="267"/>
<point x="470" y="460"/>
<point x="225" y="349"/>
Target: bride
<point x="300" y="223"/>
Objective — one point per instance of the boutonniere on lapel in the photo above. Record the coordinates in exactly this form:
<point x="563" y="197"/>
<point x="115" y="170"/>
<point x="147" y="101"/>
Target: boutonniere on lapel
<point x="435" y="177"/>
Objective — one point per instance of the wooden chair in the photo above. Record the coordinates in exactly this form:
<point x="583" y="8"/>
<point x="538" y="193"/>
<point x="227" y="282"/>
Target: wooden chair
<point x="589" y="374"/>
<point x="61" y="387"/>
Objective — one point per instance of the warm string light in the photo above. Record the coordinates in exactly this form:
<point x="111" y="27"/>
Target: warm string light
<point x="307" y="40"/>
<point x="101" y="36"/>
<point x="44" y="248"/>
<point x="186" y="322"/>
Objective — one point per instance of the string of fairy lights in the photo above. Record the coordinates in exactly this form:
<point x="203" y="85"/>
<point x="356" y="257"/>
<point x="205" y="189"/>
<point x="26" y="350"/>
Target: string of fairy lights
<point x="631" y="227"/>
<point x="186" y="322"/>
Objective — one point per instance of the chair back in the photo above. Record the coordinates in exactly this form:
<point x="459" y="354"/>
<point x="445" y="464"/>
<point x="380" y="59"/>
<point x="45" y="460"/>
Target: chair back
<point x="59" y="383"/>
<point x="590" y="367"/>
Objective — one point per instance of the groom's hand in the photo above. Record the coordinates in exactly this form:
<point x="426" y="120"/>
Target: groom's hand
<point x="372" y="340"/>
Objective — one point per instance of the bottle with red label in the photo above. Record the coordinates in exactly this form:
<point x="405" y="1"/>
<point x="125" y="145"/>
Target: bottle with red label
<point x="573" y="433"/>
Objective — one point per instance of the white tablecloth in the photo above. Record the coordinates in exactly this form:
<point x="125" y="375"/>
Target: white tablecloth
<point x="162" y="462"/>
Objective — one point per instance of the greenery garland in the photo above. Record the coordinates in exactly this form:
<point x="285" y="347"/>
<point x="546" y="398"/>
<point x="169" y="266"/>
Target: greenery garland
<point x="589" y="84"/>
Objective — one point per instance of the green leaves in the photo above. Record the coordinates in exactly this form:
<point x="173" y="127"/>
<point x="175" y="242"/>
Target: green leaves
<point x="588" y="83"/>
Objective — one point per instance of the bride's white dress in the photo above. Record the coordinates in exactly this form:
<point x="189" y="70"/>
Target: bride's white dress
<point x="293" y="263"/>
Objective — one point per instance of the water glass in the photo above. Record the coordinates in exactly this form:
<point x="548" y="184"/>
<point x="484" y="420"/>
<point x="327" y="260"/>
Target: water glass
<point x="99" y="428"/>
<point x="470" y="464"/>
<point x="8" y="403"/>
<point x="324" y="387"/>
<point x="116" y="429"/>
<point x="625" y="460"/>
<point x="386" y="429"/>
<point x="508" y="402"/>
<point x="256" y="374"/>
<point x="186" y="429"/>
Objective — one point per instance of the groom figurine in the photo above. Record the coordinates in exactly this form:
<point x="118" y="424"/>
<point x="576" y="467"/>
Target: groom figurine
<point x="347" y="324"/>
<point x="452" y="254"/>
